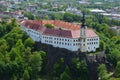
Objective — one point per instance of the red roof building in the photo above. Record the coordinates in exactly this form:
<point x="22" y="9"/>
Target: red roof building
<point x="62" y="30"/>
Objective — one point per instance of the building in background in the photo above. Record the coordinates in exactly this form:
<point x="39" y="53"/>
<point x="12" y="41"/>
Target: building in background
<point x="116" y="29"/>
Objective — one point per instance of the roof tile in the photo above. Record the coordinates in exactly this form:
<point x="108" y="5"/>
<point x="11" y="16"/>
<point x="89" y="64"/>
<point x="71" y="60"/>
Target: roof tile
<point x="68" y="29"/>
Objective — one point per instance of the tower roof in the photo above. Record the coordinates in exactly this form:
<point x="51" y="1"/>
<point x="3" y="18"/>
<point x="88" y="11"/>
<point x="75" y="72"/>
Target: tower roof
<point x="83" y="21"/>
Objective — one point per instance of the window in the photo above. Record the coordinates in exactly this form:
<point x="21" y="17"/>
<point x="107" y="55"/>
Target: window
<point x="59" y="42"/>
<point x="84" y="40"/>
<point x="45" y="41"/>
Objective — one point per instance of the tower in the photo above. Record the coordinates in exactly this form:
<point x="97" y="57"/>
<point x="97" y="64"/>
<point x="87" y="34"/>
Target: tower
<point x="83" y="47"/>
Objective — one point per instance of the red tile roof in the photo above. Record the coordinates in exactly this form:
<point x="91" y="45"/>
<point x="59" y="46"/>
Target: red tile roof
<point x="90" y="33"/>
<point x="57" y="32"/>
<point x="68" y="30"/>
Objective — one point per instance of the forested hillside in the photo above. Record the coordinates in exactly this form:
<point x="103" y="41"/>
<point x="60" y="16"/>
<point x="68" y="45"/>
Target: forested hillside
<point x="18" y="60"/>
<point x="22" y="59"/>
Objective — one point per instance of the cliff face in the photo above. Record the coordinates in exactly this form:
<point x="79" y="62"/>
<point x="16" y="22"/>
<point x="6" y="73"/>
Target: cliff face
<point x="54" y="54"/>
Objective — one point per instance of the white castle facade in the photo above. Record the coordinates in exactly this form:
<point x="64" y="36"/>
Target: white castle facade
<point x="64" y="35"/>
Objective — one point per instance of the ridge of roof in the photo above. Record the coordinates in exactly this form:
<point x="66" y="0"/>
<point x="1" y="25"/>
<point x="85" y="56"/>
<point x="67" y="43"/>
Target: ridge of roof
<point x="68" y="30"/>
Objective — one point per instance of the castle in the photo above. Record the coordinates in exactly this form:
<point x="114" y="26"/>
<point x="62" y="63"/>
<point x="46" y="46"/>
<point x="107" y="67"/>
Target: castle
<point x="64" y="35"/>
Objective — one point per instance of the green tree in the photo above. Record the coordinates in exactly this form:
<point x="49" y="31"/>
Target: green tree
<point x="117" y="70"/>
<point x="102" y="45"/>
<point x="102" y="72"/>
<point x="26" y="54"/>
<point x="68" y="17"/>
<point x="35" y="63"/>
<point x="2" y="67"/>
<point x="46" y="17"/>
<point x="29" y="15"/>
<point x="14" y="54"/>
<point x="19" y="46"/>
<point x="3" y="46"/>
<point x="114" y="56"/>
<point x="14" y="22"/>
<point x="58" y="67"/>
<point x="14" y="77"/>
<point x="1" y="30"/>
<point x="56" y="16"/>
<point x="29" y="43"/>
<point x="49" y="26"/>
<point x="26" y="75"/>
<point x="66" y="74"/>
<point x="114" y="78"/>
<point x="9" y="27"/>
<point x="81" y="68"/>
